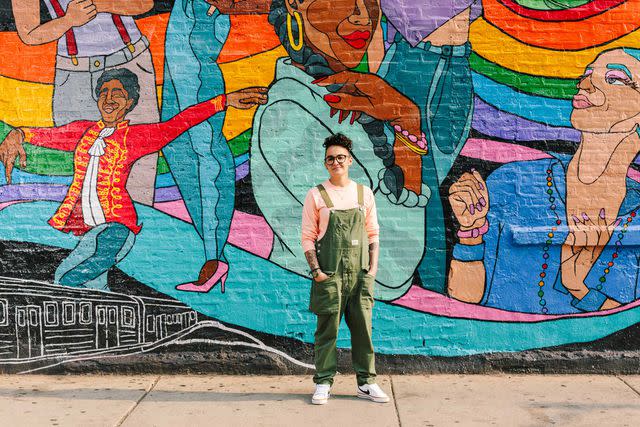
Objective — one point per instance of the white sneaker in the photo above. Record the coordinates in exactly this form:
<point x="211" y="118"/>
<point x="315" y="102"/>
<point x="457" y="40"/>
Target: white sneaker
<point x="321" y="394"/>
<point x="372" y="392"/>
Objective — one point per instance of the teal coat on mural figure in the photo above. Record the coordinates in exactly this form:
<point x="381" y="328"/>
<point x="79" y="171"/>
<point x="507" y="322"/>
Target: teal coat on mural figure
<point x="287" y="158"/>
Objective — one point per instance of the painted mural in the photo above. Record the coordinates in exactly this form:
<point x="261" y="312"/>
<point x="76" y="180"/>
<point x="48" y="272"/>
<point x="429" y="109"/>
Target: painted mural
<point x="157" y="156"/>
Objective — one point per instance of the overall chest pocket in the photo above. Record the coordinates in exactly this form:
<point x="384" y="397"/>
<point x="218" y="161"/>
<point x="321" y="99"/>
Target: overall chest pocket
<point x="325" y="296"/>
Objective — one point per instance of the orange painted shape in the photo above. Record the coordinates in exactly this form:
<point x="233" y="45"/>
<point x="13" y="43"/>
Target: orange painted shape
<point x="249" y="35"/>
<point x="28" y="63"/>
<point x="570" y="35"/>
<point x="155" y="27"/>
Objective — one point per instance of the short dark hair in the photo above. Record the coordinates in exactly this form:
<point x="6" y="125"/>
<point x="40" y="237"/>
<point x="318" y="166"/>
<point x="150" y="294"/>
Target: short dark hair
<point x="128" y="80"/>
<point x="337" y="139"/>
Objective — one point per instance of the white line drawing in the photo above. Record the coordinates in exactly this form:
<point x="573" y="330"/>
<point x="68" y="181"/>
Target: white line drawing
<point x="45" y="325"/>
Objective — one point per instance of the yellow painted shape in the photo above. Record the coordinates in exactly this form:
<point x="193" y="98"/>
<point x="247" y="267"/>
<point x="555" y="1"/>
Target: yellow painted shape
<point x="25" y="103"/>
<point x="257" y="70"/>
<point x="496" y="46"/>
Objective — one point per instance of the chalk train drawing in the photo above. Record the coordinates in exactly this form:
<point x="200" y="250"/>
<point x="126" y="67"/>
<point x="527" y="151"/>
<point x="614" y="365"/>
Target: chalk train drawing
<point x="48" y="325"/>
<point x="510" y="96"/>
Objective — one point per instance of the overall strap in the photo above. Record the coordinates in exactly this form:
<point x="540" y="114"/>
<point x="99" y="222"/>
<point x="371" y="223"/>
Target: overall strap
<point x="325" y="196"/>
<point x="360" y="195"/>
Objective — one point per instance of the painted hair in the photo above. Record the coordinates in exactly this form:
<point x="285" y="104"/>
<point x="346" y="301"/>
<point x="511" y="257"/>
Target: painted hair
<point x="314" y="64"/>
<point x="128" y="80"/>
<point x="339" y="140"/>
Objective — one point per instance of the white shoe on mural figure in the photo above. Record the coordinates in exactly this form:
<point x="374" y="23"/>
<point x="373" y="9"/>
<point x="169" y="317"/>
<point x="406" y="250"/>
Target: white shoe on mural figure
<point x="321" y="395"/>
<point x="372" y="392"/>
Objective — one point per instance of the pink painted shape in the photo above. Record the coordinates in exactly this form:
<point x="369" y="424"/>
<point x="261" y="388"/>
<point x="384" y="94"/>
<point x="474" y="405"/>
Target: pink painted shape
<point x="431" y="302"/>
<point x="7" y="204"/>
<point x="633" y="174"/>
<point x="248" y="232"/>
<point x="500" y="152"/>
<point x="175" y="208"/>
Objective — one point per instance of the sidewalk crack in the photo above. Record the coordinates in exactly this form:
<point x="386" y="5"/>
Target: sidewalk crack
<point x="135" y="405"/>
<point x="395" y="400"/>
<point x="629" y="385"/>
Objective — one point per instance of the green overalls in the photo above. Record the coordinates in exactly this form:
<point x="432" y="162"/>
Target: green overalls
<point x="343" y="254"/>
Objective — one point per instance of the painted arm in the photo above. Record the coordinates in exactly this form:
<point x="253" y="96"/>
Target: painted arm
<point x="63" y="138"/>
<point x="241" y="7"/>
<point x="124" y="7"/>
<point x="469" y="201"/>
<point x="148" y="138"/>
<point x="32" y="32"/>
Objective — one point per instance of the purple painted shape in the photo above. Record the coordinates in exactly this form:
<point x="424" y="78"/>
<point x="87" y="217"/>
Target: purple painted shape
<point x="493" y="122"/>
<point x="14" y="192"/>
<point x="242" y="170"/>
<point x="416" y="19"/>
<point x="167" y="194"/>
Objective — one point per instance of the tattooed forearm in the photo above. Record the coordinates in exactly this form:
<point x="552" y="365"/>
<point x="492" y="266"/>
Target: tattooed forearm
<point x="312" y="259"/>
<point x="374" y="250"/>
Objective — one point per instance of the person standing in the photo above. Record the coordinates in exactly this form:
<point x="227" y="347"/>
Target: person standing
<point x="340" y="240"/>
<point x="94" y="36"/>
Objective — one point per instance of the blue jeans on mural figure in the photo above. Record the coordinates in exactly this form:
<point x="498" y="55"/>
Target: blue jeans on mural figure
<point x="200" y="159"/>
<point x="444" y="94"/>
<point x="98" y="250"/>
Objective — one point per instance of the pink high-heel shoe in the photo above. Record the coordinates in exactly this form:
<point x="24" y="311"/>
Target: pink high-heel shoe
<point x="219" y="276"/>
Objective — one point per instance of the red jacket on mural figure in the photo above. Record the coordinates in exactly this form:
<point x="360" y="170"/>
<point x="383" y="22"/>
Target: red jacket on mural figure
<point x="122" y="144"/>
<point x="127" y="144"/>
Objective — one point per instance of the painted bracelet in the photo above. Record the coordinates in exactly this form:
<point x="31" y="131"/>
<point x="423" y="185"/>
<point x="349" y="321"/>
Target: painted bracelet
<point x="415" y="144"/>
<point x="468" y="253"/>
<point x="474" y="232"/>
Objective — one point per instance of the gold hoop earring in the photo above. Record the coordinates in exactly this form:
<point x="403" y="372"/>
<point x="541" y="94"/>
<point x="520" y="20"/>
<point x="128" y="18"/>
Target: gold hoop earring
<point x="295" y="46"/>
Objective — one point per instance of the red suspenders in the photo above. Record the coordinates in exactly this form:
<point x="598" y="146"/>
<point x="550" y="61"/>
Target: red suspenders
<point x="72" y="45"/>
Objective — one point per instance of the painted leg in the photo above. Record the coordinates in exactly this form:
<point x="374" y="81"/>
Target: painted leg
<point x="101" y="251"/>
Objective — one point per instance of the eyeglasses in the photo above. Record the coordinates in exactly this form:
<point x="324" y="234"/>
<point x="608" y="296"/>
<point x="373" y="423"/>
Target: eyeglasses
<point x="340" y="158"/>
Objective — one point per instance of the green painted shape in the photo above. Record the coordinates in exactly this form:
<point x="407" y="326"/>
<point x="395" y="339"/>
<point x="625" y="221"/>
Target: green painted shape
<point x="548" y="87"/>
<point x="551" y="4"/>
<point x="240" y="144"/>
<point x="363" y="66"/>
<point x="163" y="166"/>
<point x="45" y="161"/>
<point x="4" y="130"/>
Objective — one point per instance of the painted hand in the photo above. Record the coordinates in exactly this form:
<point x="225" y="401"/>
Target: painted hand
<point x="247" y="98"/>
<point x="469" y="199"/>
<point x="369" y="94"/>
<point x="79" y="12"/>
<point x="407" y="198"/>
<point x="10" y="149"/>
<point x="584" y="244"/>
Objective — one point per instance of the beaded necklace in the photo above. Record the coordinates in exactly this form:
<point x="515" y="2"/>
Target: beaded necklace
<point x="545" y="249"/>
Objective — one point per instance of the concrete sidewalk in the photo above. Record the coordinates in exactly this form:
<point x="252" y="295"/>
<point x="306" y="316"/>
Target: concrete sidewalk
<point x="426" y="400"/>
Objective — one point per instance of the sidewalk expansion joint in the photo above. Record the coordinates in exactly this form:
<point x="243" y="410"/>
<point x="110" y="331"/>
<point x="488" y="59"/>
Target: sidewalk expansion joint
<point x="135" y="405"/>
<point x="395" y="400"/>
<point x="629" y="385"/>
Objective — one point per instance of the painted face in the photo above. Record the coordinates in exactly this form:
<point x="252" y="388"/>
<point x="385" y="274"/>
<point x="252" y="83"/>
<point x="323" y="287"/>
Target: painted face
<point x="332" y="158"/>
<point x="608" y="98"/>
<point x="339" y="29"/>
<point x="114" y="102"/>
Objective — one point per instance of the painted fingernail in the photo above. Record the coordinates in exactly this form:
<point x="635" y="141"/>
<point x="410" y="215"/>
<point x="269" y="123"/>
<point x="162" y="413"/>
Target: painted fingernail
<point x="353" y="118"/>
<point x="472" y="209"/>
<point x="481" y="186"/>
<point x="478" y="207"/>
<point x="482" y="201"/>
<point x="343" y="115"/>
<point x="332" y="98"/>
<point x="318" y="80"/>
<point x="617" y="222"/>
<point x="575" y="219"/>
<point x="473" y="169"/>
<point x="585" y="216"/>
<point x="602" y="216"/>
<point x="333" y="112"/>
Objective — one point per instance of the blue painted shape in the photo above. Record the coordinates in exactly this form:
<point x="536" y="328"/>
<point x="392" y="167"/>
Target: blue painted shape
<point x="264" y="297"/>
<point x="554" y="112"/>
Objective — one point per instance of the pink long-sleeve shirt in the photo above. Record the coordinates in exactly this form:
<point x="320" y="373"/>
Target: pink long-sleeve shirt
<point x="315" y="214"/>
